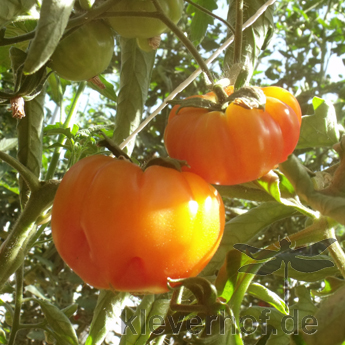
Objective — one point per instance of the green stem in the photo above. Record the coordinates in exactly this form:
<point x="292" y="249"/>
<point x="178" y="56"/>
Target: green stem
<point x="28" y="176"/>
<point x="18" y="304"/>
<point x="61" y="139"/>
<point x="238" y="33"/>
<point x="13" y="249"/>
<point x="211" y="14"/>
<point x="336" y="252"/>
<point x="188" y="44"/>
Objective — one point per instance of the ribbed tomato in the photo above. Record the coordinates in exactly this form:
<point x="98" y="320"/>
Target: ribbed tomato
<point x="122" y="228"/>
<point x="85" y="53"/>
<point x="237" y="145"/>
<point x="141" y="27"/>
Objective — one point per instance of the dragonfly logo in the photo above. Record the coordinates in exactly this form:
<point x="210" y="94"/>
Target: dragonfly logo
<point x="301" y="259"/>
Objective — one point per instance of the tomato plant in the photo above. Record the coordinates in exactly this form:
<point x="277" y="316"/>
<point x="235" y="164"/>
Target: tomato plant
<point x="235" y="145"/>
<point x="140" y="27"/>
<point x="84" y="53"/>
<point x="120" y="227"/>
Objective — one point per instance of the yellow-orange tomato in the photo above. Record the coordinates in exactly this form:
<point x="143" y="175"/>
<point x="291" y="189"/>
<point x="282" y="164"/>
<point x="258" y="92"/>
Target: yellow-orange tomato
<point x="122" y="228"/>
<point x="237" y="145"/>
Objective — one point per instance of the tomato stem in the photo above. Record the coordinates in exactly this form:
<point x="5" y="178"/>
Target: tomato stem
<point x="238" y="31"/>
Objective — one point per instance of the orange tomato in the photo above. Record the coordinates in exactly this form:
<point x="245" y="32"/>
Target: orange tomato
<point x="122" y="228"/>
<point x="237" y="145"/>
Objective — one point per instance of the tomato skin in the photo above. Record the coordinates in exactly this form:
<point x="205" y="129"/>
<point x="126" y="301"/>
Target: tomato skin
<point x="85" y="53"/>
<point x="140" y="27"/>
<point x="121" y="228"/>
<point x="239" y="145"/>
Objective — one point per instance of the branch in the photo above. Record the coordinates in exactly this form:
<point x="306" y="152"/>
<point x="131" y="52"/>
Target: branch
<point x="194" y="75"/>
<point x="211" y="14"/>
<point x="28" y="176"/>
<point x="14" y="248"/>
<point x="189" y="45"/>
<point x="18" y="304"/>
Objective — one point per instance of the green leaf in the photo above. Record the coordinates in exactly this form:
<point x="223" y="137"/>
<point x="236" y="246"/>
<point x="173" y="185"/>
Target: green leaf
<point x="246" y="226"/>
<point x="51" y="25"/>
<point x="135" y="78"/>
<point x="59" y="322"/>
<point x="327" y="205"/>
<point x="36" y="292"/>
<point x="331" y="285"/>
<point x="3" y="339"/>
<point x="108" y="91"/>
<point x="8" y="144"/>
<point x="59" y="129"/>
<point x="255" y="38"/>
<point x="108" y="310"/>
<point x="321" y="128"/>
<point x="271" y="183"/>
<point x="136" y="323"/>
<point x="14" y="30"/>
<point x="227" y="277"/>
<point x="330" y="319"/>
<point x="201" y="20"/>
<point x="9" y="9"/>
<point x="55" y="89"/>
<point x="261" y="292"/>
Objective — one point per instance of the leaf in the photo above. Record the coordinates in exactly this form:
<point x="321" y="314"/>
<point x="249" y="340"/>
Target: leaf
<point x="36" y="292"/>
<point x="246" y="226"/>
<point x="9" y="9"/>
<point x="227" y="277"/>
<point x="331" y="285"/>
<point x="135" y="325"/>
<point x="8" y="144"/>
<point x="261" y="292"/>
<point x="321" y="128"/>
<point x="255" y="38"/>
<point x="55" y="89"/>
<point x="271" y="183"/>
<point x="3" y="339"/>
<point x="108" y="310"/>
<point x="13" y="30"/>
<point x="135" y="78"/>
<point x="330" y="320"/>
<point x="51" y="25"/>
<point x="331" y="206"/>
<point x="201" y="20"/>
<point x="109" y="90"/>
<point x="59" y="322"/>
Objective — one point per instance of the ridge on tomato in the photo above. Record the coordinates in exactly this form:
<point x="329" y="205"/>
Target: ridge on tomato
<point x="236" y="145"/>
<point x="122" y="228"/>
<point x="141" y="27"/>
<point x="85" y="53"/>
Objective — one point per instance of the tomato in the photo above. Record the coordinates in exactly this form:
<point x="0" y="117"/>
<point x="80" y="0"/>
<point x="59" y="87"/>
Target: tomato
<point x="84" y="53"/>
<point x="140" y="27"/>
<point x="122" y="228"/>
<point x="237" y="145"/>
